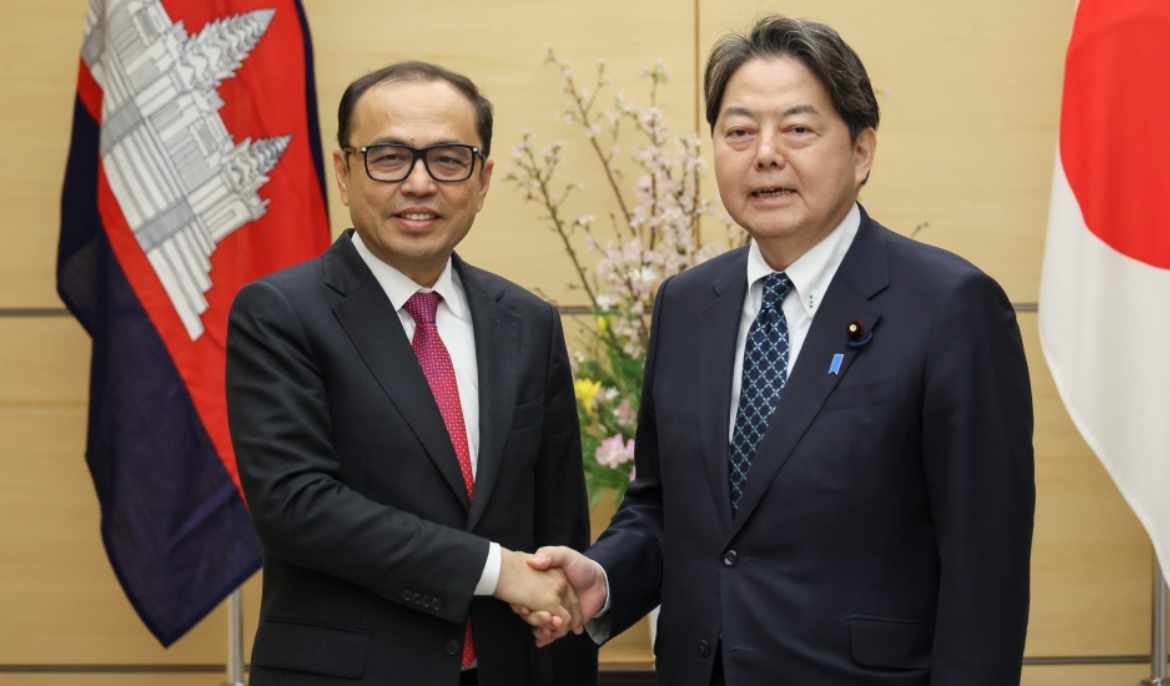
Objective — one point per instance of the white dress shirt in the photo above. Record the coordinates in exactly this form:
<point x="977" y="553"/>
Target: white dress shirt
<point x="453" y="319"/>
<point x="810" y="275"/>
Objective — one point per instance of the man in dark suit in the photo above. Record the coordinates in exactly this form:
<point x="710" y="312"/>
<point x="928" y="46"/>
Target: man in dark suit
<point x="405" y="423"/>
<point x="834" y="460"/>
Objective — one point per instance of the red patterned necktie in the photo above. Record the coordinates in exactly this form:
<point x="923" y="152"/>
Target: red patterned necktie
<point x="436" y="366"/>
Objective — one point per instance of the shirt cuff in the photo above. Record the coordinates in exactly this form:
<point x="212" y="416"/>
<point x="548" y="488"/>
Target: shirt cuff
<point x="599" y="628"/>
<point x="605" y="577"/>
<point x="490" y="577"/>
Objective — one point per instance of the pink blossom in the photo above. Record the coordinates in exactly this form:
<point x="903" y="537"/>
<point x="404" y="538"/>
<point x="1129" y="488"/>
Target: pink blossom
<point x="665" y="208"/>
<point x="625" y="414"/>
<point x="614" y="451"/>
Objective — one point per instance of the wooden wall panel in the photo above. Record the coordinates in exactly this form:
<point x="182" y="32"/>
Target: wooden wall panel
<point x="60" y="599"/>
<point x="1078" y="675"/>
<point x="155" y="679"/>
<point x="45" y="362"/>
<point x="62" y="603"/>
<point x="1090" y="556"/>
<point x="970" y="96"/>
<point x="1085" y="675"/>
<point x="40" y="43"/>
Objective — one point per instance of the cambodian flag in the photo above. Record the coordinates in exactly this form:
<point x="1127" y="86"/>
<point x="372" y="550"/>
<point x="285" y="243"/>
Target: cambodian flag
<point x="195" y="167"/>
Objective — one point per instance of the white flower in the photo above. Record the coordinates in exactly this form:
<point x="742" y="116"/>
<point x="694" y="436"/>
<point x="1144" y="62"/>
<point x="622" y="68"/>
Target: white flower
<point x="632" y="250"/>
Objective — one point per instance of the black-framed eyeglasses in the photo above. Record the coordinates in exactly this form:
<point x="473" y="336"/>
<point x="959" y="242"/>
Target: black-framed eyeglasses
<point x="392" y="162"/>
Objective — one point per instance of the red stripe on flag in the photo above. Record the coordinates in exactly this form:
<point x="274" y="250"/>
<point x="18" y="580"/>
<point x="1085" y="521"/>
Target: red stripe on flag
<point x="200" y="363"/>
<point x="89" y="91"/>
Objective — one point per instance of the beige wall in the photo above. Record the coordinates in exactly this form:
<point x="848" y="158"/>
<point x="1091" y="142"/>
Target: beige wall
<point x="970" y="96"/>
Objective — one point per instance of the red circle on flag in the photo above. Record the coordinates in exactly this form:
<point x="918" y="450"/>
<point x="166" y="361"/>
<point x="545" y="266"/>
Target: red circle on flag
<point x="1115" y="125"/>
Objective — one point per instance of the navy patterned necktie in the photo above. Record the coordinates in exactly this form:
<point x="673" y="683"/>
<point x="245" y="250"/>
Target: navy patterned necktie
<point x="765" y="369"/>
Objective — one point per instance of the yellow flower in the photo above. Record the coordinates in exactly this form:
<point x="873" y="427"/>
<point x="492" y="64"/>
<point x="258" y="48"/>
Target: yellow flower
<point x="602" y="325"/>
<point x="586" y="391"/>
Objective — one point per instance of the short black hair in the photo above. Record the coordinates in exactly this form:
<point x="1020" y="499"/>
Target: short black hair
<point x="415" y="71"/>
<point x="817" y="46"/>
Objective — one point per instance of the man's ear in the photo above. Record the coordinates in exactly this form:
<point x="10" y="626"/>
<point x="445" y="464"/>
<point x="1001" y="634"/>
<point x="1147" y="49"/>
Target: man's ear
<point x="341" y="172"/>
<point x="864" y="149"/>
<point x="485" y="180"/>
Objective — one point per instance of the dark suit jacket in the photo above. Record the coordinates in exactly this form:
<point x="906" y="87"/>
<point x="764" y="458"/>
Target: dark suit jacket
<point x="885" y="531"/>
<point x="372" y="548"/>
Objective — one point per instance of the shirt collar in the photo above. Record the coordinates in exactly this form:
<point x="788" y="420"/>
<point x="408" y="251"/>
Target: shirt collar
<point x="399" y="287"/>
<point x="812" y="272"/>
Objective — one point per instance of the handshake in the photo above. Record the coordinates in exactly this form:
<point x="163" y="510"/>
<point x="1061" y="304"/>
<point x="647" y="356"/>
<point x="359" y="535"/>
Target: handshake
<point x="556" y="590"/>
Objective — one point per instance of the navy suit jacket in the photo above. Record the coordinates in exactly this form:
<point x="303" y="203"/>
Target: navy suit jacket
<point x="885" y="531"/>
<point x="372" y="548"/>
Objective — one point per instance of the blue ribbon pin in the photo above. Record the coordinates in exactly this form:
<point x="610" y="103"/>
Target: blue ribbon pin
<point x="835" y="363"/>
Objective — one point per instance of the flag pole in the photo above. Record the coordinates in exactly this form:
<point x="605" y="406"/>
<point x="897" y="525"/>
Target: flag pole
<point x="1158" y="632"/>
<point x="235" y="662"/>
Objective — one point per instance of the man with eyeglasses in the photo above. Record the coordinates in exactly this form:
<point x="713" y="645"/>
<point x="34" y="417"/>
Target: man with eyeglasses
<point x="405" y="423"/>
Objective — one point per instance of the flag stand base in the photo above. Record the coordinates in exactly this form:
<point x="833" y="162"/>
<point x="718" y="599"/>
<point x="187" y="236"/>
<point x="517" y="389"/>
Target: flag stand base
<point x="1158" y="675"/>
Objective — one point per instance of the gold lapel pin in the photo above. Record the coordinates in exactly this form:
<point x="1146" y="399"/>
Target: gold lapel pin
<point x="857" y="334"/>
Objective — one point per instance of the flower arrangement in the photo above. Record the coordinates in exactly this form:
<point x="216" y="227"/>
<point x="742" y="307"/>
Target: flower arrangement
<point x="655" y="231"/>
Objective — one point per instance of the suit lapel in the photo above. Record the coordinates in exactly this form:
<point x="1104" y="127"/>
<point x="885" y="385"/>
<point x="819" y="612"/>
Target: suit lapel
<point x="716" y="346"/>
<point x="373" y="326"/>
<point x="862" y="274"/>
<point x="497" y="341"/>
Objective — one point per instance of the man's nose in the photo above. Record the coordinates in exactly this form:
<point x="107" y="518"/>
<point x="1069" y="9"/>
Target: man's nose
<point x="419" y="181"/>
<point x="769" y="153"/>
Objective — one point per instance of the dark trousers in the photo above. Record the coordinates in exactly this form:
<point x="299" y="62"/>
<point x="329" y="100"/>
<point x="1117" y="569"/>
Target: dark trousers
<point x="469" y="677"/>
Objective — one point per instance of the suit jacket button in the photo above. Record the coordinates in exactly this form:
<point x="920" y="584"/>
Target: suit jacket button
<point x="435" y="604"/>
<point x="704" y="649"/>
<point x="452" y="647"/>
<point x="730" y="558"/>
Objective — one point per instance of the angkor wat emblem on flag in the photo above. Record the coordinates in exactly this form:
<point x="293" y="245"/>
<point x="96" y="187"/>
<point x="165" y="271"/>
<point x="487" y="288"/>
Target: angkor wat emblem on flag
<point x="181" y="181"/>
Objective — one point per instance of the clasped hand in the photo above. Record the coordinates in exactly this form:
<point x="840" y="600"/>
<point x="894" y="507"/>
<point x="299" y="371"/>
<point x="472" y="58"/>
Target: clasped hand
<point x="555" y="591"/>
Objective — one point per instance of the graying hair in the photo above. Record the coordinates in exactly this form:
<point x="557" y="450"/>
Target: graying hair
<point x="817" y="46"/>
